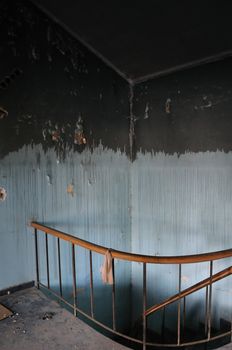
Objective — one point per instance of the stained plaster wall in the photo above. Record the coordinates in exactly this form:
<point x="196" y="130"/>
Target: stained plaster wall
<point x="153" y="176"/>
<point x="64" y="146"/>
<point x="181" y="182"/>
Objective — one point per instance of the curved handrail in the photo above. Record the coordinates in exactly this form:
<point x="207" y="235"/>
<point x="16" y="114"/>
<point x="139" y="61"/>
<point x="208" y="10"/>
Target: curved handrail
<point x="117" y="254"/>
<point x="145" y="259"/>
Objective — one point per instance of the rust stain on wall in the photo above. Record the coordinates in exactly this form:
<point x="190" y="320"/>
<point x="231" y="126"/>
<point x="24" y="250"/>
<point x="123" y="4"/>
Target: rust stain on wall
<point x="70" y="189"/>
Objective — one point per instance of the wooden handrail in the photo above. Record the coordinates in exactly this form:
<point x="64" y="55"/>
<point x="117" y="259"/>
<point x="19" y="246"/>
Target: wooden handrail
<point x="184" y="259"/>
<point x="216" y="277"/>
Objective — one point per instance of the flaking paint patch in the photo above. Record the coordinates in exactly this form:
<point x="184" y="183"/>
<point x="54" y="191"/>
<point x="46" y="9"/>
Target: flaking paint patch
<point x="3" y="113"/>
<point x="79" y="137"/>
<point x="70" y="189"/>
<point x="168" y="106"/>
<point x="49" y="180"/>
<point x="3" y="194"/>
<point x="8" y="79"/>
<point x="146" y="113"/>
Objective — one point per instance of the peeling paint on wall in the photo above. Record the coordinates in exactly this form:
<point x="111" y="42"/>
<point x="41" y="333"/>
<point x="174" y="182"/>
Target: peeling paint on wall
<point x="8" y="79"/>
<point x="79" y="137"/>
<point x="146" y="113"/>
<point x="70" y="189"/>
<point x="61" y="80"/>
<point x="168" y="106"/>
<point x="189" y="111"/>
<point x="3" y="113"/>
<point x="3" y="194"/>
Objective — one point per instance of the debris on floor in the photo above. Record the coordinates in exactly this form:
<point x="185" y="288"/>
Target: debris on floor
<point x="48" y="315"/>
<point x="39" y="323"/>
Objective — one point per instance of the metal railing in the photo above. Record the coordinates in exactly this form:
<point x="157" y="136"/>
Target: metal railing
<point x="206" y="283"/>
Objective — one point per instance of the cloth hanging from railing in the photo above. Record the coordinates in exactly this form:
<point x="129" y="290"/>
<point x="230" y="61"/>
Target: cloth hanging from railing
<point x="106" y="268"/>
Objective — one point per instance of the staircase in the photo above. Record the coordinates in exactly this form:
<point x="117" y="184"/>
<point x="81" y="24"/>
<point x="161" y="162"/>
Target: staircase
<point x="186" y="326"/>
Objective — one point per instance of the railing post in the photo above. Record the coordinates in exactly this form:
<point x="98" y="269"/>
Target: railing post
<point x="179" y="309"/>
<point x="231" y="328"/>
<point x="210" y="300"/>
<point x="144" y="304"/>
<point x="74" y="280"/>
<point x="47" y="260"/>
<point x="184" y="317"/>
<point x="163" y="325"/>
<point x="113" y="297"/>
<point x="206" y="309"/>
<point x="59" y="266"/>
<point x="91" y="284"/>
<point x="36" y="259"/>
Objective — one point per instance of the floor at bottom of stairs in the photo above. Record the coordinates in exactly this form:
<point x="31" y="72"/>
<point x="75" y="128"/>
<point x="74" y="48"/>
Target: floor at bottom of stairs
<point x="39" y="323"/>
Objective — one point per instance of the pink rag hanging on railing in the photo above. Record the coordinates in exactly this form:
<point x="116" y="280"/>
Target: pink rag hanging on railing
<point x="106" y="268"/>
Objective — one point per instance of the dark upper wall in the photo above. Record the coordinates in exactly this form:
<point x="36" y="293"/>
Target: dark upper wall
<point x="185" y="111"/>
<point x="48" y="81"/>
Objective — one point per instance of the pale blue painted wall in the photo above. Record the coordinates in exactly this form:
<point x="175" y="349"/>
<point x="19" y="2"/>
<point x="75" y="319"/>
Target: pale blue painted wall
<point x="36" y="184"/>
<point x="158" y="205"/>
<point x="181" y="205"/>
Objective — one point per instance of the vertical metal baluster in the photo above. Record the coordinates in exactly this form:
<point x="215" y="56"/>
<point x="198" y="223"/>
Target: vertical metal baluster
<point x="179" y="309"/>
<point x="231" y="328"/>
<point x="206" y="308"/>
<point x="113" y="298"/>
<point x="36" y="259"/>
<point x="74" y="281"/>
<point x="91" y="283"/>
<point x="184" y="316"/>
<point x="59" y="266"/>
<point x="163" y="326"/>
<point x="210" y="300"/>
<point x="47" y="260"/>
<point x="144" y="304"/>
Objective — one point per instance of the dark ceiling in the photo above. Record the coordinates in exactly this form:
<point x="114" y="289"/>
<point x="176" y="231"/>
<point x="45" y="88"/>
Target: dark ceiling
<point x="144" y="39"/>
